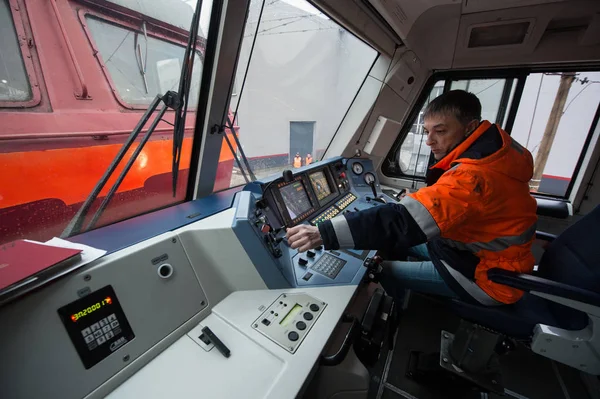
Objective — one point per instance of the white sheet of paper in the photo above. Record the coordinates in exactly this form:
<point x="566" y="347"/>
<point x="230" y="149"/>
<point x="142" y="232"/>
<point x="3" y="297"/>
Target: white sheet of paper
<point x="88" y="255"/>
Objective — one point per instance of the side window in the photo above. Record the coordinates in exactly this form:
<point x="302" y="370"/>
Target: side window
<point x="140" y="66"/>
<point x="494" y="94"/>
<point x="554" y="118"/>
<point x="413" y="157"/>
<point x="14" y="84"/>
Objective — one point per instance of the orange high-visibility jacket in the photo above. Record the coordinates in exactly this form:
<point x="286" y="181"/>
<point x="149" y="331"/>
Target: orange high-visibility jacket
<point x="480" y="205"/>
<point x="297" y="162"/>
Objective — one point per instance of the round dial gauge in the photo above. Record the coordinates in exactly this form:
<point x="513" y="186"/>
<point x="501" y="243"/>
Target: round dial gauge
<point x="357" y="168"/>
<point x="369" y="177"/>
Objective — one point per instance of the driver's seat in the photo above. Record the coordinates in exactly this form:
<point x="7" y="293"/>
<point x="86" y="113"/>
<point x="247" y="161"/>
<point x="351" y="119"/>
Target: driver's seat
<point x="559" y="315"/>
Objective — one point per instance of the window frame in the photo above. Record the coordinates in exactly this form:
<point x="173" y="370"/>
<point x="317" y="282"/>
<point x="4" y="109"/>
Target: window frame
<point x="512" y="106"/>
<point x="130" y="26"/>
<point x="24" y="36"/>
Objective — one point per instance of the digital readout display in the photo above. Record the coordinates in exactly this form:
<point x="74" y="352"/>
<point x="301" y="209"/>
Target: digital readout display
<point x="291" y="315"/>
<point x="98" y="305"/>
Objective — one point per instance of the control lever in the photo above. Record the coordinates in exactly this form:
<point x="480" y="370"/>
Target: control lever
<point x="374" y="268"/>
<point x="375" y="197"/>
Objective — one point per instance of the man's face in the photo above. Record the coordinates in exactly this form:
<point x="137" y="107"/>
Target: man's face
<point x="444" y="133"/>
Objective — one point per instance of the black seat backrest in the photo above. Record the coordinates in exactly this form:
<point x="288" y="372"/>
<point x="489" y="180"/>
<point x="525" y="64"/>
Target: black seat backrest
<point x="574" y="257"/>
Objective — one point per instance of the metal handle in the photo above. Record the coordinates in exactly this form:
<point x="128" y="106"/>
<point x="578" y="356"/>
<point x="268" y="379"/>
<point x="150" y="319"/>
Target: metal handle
<point x="84" y="91"/>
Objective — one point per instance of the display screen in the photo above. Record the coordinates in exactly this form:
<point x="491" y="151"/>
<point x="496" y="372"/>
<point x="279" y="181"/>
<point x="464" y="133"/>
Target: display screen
<point x="96" y="325"/>
<point x="295" y="199"/>
<point x="90" y="309"/>
<point x="291" y="315"/>
<point x="320" y="184"/>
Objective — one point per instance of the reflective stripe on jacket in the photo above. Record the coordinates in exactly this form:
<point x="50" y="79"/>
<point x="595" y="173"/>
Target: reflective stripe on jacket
<point x="481" y="206"/>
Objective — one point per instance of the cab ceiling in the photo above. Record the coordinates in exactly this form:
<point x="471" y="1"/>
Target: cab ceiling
<point x="465" y="34"/>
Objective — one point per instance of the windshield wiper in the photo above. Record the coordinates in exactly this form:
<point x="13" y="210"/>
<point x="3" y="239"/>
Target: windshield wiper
<point x="176" y="101"/>
<point x="185" y="82"/>
<point x="142" y="61"/>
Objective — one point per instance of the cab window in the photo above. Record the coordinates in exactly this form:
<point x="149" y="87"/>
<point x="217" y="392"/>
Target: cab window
<point x="302" y="76"/>
<point x="14" y="84"/>
<point x="140" y="66"/>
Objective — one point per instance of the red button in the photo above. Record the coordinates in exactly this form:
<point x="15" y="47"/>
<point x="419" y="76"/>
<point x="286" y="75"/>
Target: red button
<point x="343" y="175"/>
<point x="265" y="228"/>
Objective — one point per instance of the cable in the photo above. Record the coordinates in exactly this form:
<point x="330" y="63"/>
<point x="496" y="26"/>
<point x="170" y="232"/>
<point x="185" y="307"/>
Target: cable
<point x="241" y="92"/>
<point x="493" y="84"/>
<point x="577" y="95"/>
<point x="534" y="111"/>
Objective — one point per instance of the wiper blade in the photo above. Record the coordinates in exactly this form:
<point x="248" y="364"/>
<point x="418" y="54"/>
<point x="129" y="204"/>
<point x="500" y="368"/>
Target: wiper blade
<point x="170" y="100"/>
<point x="185" y="80"/>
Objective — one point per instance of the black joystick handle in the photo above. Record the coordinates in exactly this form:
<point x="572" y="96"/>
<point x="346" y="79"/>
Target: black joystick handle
<point x="288" y="176"/>
<point x="372" y="184"/>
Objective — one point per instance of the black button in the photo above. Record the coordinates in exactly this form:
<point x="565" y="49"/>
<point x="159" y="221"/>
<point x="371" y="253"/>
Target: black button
<point x="266" y="322"/>
<point x="293" y="336"/>
<point x="301" y="325"/>
<point x="314" y="307"/>
<point x="307" y="276"/>
<point x="310" y="254"/>
<point x="308" y="316"/>
<point x="302" y="262"/>
<point x="320" y="247"/>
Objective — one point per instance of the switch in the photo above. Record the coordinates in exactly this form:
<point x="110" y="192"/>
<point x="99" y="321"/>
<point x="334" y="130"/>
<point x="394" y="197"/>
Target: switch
<point x="293" y="336"/>
<point x="266" y="322"/>
<point x="302" y="262"/>
<point x="320" y="247"/>
<point x="310" y="254"/>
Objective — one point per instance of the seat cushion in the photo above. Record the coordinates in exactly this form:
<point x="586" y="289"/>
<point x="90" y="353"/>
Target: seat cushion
<point x="519" y="319"/>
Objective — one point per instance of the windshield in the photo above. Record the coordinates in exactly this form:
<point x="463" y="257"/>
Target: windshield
<point x="96" y="83"/>
<point x="294" y="87"/>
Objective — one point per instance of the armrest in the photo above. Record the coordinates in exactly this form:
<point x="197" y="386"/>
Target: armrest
<point x="540" y="235"/>
<point x="553" y="208"/>
<point x="527" y="282"/>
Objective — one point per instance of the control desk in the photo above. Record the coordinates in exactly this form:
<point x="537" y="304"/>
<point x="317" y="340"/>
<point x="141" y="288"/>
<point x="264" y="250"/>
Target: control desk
<point x="311" y="194"/>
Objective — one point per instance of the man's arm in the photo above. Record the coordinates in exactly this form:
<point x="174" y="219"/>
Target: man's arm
<point x="382" y="228"/>
<point x="421" y="216"/>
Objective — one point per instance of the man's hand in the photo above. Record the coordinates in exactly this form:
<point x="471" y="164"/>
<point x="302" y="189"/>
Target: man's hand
<point x="304" y="237"/>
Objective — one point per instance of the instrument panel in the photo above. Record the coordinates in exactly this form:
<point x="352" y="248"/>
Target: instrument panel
<point x="313" y="194"/>
<point x="308" y="193"/>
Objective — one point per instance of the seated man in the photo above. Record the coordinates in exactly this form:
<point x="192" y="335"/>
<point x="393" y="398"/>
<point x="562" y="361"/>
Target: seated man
<point x="476" y="213"/>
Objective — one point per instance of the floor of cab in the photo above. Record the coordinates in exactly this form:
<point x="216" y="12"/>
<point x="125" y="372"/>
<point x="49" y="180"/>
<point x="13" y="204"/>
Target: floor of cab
<point x="525" y="374"/>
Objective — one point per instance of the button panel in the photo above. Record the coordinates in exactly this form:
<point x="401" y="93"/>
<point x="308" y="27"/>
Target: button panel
<point x="96" y="325"/>
<point x="345" y="201"/>
<point x="328" y="265"/>
<point x="328" y="214"/>
<point x="289" y="319"/>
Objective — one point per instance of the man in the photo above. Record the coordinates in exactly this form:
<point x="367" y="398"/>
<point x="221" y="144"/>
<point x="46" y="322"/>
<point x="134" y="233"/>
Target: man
<point x="476" y="213"/>
<point x="308" y="159"/>
<point x="297" y="160"/>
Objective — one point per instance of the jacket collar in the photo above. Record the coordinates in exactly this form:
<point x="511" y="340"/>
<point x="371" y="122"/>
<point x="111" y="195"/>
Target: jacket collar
<point x="446" y="162"/>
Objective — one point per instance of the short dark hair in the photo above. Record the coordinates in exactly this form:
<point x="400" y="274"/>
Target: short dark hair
<point x="463" y="105"/>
